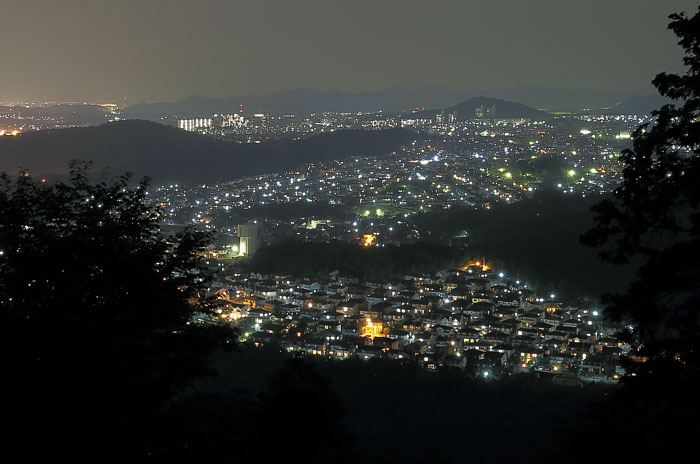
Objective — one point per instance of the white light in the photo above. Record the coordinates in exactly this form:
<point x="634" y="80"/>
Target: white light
<point x="595" y="313"/>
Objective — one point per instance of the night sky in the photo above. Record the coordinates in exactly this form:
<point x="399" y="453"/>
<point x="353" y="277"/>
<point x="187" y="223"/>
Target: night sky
<point x="166" y="50"/>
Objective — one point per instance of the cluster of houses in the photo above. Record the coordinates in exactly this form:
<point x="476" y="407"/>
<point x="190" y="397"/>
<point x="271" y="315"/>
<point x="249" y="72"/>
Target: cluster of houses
<point x="472" y="319"/>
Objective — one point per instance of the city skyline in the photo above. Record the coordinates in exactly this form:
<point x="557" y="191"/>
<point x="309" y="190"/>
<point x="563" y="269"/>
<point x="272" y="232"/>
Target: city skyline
<point x="167" y="51"/>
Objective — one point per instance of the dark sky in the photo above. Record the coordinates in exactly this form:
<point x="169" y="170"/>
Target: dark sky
<point x="167" y="50"/>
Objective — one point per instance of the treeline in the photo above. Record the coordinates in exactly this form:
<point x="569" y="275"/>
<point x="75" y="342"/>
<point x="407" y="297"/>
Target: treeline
<point x="538" y="240"/>
<point x="378" y="263"/>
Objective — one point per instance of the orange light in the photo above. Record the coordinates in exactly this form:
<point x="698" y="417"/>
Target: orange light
<point x="371" y="329"/>
<point x="484" y="266"/>
<point x="368" y="239"/>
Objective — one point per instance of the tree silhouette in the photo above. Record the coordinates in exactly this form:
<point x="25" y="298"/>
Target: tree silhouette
<point x="297" y="418"/>
<point x="95" y="310"/>
<point x="302" y="413"/>
<point x="655" y="214"/>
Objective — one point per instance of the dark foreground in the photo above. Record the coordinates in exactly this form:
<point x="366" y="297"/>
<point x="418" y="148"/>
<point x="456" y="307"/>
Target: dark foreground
<point x="389" y="412"/>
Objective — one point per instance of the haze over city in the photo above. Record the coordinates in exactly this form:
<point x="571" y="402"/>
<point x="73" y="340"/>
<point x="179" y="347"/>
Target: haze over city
<point x="166" y="50"/>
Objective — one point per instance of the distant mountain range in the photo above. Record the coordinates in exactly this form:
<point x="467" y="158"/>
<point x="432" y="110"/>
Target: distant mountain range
<point x="395" y="100"/>
<point x="485" y="107"/>
<point x="168" y="154"/>
<point x="304" y="101"/>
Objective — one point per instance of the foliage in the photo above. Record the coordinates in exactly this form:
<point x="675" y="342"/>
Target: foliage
<point x="386" y="402"/>
<point x="381" y="263"/>
<point x="536" y="239"/>
<point x="95" y="307"/>
<point x="655" y="215"/>
<point x="296" y="418"/>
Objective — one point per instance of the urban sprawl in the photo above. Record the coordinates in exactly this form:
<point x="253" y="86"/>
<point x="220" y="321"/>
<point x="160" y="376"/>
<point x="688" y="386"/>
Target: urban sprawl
<point x="473" y="318"/>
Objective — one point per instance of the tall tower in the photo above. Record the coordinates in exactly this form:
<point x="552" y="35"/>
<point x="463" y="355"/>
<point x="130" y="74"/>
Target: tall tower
<point x="250" y="238"/>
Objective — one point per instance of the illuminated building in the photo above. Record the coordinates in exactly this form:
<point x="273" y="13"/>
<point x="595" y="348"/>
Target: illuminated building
<point x="477" y="264"/>
<point x="250" y="238"/>
<point x="191" y="125"/>
<point x="485" y="112"/>
<point x="235" y="121"/>
<point x="371" y="329"/>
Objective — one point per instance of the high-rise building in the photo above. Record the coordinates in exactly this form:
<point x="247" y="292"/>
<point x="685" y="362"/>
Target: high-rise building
<point x="192" y="125"/>
<point x="485" y="112"/>
<point x="250" y="238"/>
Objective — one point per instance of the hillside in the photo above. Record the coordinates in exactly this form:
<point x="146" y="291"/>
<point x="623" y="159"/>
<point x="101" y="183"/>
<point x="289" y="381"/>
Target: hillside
<point x="169" y="154"/>
<point x="553" y="99"/>
<point x="640" y="105"/>
<point x="536" y="239"/>
<point x="485" y="108"/>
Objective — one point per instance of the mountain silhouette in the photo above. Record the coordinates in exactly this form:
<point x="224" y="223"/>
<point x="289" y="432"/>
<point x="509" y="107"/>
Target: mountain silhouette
<point x="484" y="108"/>
<point x="169" y="154"/>
<point x="640" y="105"/>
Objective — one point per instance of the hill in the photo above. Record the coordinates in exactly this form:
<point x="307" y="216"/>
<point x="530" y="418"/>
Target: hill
<point x="485" y="108"/>
<point x="169" y="154"/>
<point x="640" y="105"/>
<point x="552" y="99"/>
<point x="536" y="239"/>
